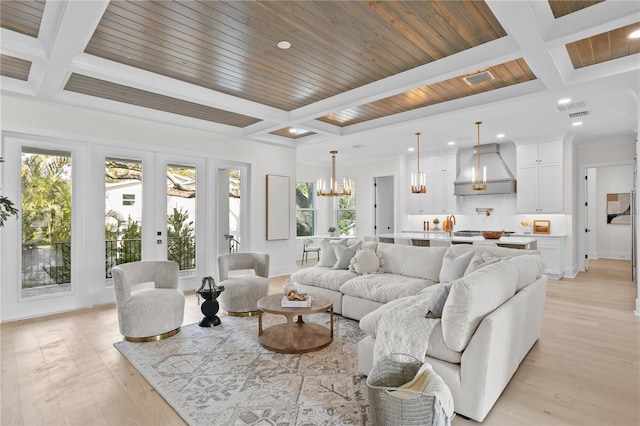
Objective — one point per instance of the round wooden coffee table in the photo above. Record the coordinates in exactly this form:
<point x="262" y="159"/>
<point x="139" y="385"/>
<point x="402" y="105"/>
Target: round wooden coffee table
<point x="294" y="337"/>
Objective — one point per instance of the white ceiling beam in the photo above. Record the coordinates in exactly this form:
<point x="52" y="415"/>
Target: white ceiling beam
<point x="519" y="21"/>
<point x="102" y="69"/>
<point x="74" y="25"/>
<point x="21" y="46"/>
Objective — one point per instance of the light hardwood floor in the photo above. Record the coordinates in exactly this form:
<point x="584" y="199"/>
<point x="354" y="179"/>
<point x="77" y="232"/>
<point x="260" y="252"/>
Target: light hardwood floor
<point x="584" y="370"/>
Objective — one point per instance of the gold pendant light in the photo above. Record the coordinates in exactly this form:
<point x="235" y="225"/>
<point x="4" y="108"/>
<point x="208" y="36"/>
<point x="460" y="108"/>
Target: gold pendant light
<point x="418" y="180"/>
<point x="333" y="185"/>
<point x="478" y="184"/>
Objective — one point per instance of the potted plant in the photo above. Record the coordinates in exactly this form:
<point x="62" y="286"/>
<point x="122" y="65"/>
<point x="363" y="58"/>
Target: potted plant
<point x="436" y="222"/>
<point x="209" y="291"/>
<point x="333" y="232"/>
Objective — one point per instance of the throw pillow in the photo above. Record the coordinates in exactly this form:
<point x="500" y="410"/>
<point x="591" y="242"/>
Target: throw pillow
<point x="480" y="260"/>
<point x="366" y="261"/>
<point x="435" y="305"/>
<point x="453" y="267"/>
<point x="344" y="255"/>
<point x="327" y="252"/>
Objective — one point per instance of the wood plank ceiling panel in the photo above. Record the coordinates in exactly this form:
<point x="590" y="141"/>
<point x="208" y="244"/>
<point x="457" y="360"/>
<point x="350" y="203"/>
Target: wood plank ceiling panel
<point x="336" y="45"/>
<point x="14" y="67"/>
<point x="565" y="7"/>
<point x="21" y="16"/>
<point x="115" y="92"/>
<point x="507" y="74"/>
<point x="604" y="47"/>
<point x="292" y="133"/>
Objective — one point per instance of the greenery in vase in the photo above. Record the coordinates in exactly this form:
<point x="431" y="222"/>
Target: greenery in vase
<point x="436" y="221"/>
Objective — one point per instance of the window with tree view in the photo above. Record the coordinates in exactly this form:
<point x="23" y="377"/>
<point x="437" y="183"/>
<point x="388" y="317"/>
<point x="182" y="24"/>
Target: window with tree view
<point x="346" y="213"/>
<point x="305" y="209"/>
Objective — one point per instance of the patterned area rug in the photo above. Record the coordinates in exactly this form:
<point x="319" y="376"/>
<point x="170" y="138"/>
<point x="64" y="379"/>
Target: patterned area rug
<point x="222" y="376"/>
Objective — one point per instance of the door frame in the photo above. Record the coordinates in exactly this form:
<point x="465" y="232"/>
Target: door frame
<point x="375" y="229"/>
<point x="581" y="238"/>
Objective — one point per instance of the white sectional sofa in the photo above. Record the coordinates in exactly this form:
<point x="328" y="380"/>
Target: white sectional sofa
<point x="489" y="320"/>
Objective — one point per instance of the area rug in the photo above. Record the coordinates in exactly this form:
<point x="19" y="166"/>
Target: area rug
<point x="222" y="376"/>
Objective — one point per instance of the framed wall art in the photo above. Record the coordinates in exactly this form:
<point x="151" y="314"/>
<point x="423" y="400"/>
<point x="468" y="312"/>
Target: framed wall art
<point x="278" y="199"/>
<point x="541" y="226"/>
<point x="619" y="208"/>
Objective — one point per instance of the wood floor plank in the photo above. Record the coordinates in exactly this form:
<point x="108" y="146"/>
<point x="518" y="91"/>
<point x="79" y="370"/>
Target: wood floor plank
<point x="585" y="368"/>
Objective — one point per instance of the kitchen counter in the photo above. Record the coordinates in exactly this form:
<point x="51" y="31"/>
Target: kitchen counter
<point x="442" y="238"/>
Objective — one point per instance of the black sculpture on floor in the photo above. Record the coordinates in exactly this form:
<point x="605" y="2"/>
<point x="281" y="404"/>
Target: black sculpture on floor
<point x="210" y="306"/>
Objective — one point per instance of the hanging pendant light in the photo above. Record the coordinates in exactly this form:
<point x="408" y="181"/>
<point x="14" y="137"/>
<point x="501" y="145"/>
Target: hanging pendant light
<point x="333" y="185"/>
<point x="478" y="184"/>
<point x="418" y="180"/>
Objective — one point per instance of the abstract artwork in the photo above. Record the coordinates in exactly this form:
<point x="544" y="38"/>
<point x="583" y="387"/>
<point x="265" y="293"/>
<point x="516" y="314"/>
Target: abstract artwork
<point x="619" y="208"/>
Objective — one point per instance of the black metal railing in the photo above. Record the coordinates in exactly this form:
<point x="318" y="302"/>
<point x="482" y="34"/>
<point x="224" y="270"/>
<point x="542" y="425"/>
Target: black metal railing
<point x="46" y="264"/>
<point x="182" y="250"/>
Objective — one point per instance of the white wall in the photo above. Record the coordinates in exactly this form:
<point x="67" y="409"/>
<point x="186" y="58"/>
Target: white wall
<point x="48" y="120"/>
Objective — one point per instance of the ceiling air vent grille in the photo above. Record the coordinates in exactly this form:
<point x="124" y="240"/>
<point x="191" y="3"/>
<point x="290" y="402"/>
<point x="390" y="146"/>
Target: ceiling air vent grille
<point x="578" y="114"/>
<point x="575" y="106"/>
<point x="478" y="78"/>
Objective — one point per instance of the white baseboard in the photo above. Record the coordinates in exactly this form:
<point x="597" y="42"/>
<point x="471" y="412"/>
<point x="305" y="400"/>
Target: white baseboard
<point x="283" y="270"/>
<point x="571" y="272"/>
<point x="626" y="255"/>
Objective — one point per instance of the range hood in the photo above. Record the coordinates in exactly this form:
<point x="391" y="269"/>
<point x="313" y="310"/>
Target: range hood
<point x="499" y="177"/>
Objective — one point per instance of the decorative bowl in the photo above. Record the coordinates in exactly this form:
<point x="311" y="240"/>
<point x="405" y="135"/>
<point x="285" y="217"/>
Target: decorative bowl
<point x="492" y="235"/>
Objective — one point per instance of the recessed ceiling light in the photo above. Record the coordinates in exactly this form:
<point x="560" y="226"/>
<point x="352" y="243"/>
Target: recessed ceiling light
<point x="577" y="123"/>
<point x="635" y="34"/>
<point x="564" y="101"/>
<point x="411" y="149"/>
<point x="500" y="135"/>
<point x="451" y="143"/>
<point x="284" y="45"/>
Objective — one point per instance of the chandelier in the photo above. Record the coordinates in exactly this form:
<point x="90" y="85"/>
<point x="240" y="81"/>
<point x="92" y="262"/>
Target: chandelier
<point x="418" y="180"/>
<point x="478" y="184"/>
<point x="333" y="185"/>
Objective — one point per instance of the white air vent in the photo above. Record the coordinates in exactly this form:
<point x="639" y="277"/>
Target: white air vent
<point x="477" y="78"/>
<point x="575" y="106"/>
<point x="578" y="114"/>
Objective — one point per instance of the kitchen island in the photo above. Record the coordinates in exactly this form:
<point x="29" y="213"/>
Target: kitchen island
<point x="443" y="239"/>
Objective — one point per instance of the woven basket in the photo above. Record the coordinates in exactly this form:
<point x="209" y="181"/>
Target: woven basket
<point x="387" y="408"/>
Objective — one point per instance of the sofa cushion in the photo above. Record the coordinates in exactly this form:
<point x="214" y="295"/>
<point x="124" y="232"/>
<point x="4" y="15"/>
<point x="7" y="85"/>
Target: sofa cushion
<point x="412" y="261"/>
<point x="383" y="288"/>
<point x="474" y="296"/>
<point x="344" y="255"/>
<point x="366" y="261"/>
<point x="327" y="252"/>
<point x="454" y="265"/>
<point x="530" y="267"/>
<point x="323" y="277"/>
<point x="479" y="260"/>
<point x="436" y="302"/>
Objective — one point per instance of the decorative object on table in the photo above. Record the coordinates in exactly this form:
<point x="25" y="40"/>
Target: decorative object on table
<point x="526" y="226"/>
<point x="619" y="208"/>
<point x="209" y="291"/>
<point x="296" y="300"/>
<point x="418" y="180"/>
<point x="334" y="190"/>
<point x="541" y="226"/>
<point x="278" y="202"/>
<point x="333" y="231"/>
<point x="436" y="222"/>
<point x="492" y="235"/>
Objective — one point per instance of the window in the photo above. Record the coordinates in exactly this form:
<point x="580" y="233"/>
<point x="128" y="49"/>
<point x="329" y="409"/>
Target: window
<point x="305" y="209"/>
<point x="346" y="213"/>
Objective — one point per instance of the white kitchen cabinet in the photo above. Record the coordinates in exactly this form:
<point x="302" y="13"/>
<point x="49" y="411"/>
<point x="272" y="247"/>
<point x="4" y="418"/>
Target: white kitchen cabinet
<point x="440" y="174"/>
<point x="552" y="249"/>
<point x="540" y="178"/>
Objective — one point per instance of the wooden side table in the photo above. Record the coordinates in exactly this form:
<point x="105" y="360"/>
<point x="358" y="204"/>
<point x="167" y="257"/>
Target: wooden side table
<point x="294" y="337"/>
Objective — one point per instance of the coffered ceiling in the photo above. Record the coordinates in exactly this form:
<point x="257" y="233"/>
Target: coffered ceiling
<point x="367" y="74"/>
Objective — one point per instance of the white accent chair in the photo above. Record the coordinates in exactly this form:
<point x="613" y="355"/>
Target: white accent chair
<point x="309" y="246"/>
<point x="242" y="292"/>
<point x="149" y="303"/>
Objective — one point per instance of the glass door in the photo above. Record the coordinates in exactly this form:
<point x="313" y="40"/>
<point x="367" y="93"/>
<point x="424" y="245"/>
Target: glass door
<point x="43" y="250"/>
